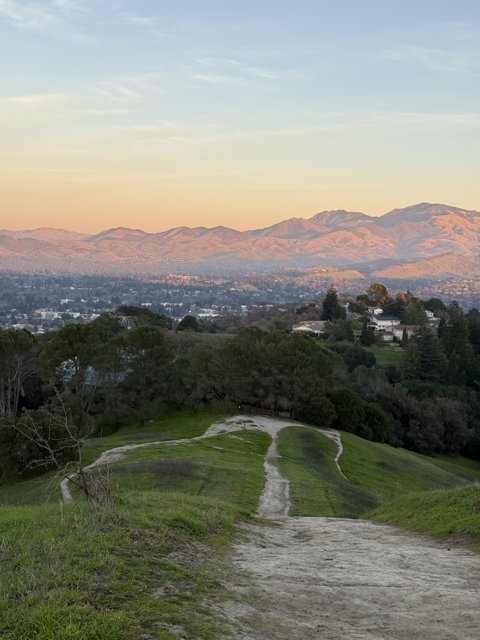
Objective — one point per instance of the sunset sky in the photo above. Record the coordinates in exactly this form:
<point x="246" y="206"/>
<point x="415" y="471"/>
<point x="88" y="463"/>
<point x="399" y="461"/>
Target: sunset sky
<point x="153" y="113"/>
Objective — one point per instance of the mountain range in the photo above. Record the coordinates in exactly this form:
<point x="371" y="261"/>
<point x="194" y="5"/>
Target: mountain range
<point x="423" y="240"/>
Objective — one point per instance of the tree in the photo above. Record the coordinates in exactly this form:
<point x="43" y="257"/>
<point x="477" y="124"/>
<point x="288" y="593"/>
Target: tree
<point x="432" y="363"/>
<point x="17" y="365"/>
<point x="189" y="323"/>
<point x="460" y="354"/>
<point x="473" y="321"/>
<point x="341" y="330"/>
<point x="143" y="317"/>
<point x="66" y="364"/>
<point x="376" y="422"/>
<point x="350" y="410"/>
<point x="367" y="337"/>
<point x="147" y="357"/>
<point x="435" y="305"/>
<point x="332" y="310"/>
<point x="378" y="294"/>
<point x="197" y="374"/>
<point x="354" y="355"/>
<point x="47" y="439"/>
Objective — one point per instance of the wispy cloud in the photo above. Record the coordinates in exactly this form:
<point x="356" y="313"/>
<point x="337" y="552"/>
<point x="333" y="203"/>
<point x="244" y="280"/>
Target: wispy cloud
<point x="35" y="101"/>
<point x="117" y="95"/>
<point x="55" y="17"/>
<point x="451" y="61"/>
<point x="140" y="21"/>
<point x="28" y="15"/>
<point x="430" y="120"/>
<point x="224" y="70"/>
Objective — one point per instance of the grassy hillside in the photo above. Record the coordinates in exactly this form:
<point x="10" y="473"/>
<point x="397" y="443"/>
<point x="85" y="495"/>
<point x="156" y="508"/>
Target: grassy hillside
<point x="316" y="486"/>
<point x="376" y="473"/>
<point x="145" y="561"/>
<point x="146" y="557"/>
<point x="172" y="426"/>
<point x="386" y="355"/>
<point x="451" y="513"/>
<point x="388" y="472"/>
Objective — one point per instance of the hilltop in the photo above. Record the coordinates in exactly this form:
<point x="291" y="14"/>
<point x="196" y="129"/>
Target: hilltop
<point x="153" y="558"/>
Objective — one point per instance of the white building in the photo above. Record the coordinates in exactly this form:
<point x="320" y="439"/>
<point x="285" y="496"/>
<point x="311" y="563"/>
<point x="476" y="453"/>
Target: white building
<point x="317" y="327"/>
<point x="383" y="322"/>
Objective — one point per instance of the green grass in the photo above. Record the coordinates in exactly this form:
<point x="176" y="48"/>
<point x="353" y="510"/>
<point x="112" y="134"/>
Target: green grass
<point x="228" y="468"/>
<point x="451" y="513"/>
<point x="464" y="467"/>
<point x="377" y="473"/>
<point x="172" y="426"/>
<point x="387" y="472"/>
<point x="386" y="355"/>
<point x="85" y="573"/>
<point x="316" y="486"/>
<point x="147" y="561"/>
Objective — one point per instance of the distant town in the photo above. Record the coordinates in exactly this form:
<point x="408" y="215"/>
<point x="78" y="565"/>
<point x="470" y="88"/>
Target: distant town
<point x="42" y="303"/>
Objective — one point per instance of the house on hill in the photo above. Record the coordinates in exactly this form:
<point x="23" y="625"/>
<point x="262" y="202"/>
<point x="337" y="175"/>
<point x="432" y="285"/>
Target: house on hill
<point x="398" y="330"/>
<point x="374" y="311"/>
<point x="311" y="327"/>
<point x="381" y="322"/>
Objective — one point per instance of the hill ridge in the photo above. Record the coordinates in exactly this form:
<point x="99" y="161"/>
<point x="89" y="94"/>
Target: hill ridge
<point x="337" y="237"/>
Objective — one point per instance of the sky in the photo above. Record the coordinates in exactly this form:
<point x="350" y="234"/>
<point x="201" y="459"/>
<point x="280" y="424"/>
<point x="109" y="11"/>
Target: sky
<point x="155" y="114"/>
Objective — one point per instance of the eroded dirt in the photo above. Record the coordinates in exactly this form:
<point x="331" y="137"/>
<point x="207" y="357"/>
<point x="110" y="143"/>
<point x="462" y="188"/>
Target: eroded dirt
<point x="339" y="579"/>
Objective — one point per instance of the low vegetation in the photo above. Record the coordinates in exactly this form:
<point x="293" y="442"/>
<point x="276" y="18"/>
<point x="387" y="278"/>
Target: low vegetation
<point x="316" y="486"/>
<point x="94" y="574"/>
<point x="453" y="514"/>
<point x="142" y="559"/>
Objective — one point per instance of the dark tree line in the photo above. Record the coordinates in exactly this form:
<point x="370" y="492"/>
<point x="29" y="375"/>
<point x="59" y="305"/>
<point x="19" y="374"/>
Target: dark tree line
<point x="130" y="366"/>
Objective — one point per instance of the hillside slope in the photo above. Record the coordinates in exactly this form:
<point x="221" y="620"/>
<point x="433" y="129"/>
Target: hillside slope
<point x="146" y="556"/>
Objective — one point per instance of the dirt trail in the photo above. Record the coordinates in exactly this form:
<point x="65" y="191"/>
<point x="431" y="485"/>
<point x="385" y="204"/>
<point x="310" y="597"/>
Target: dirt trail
<point x="276" y="487"/>
<point x="339" y="579"/>
<point x="336" y="579"/>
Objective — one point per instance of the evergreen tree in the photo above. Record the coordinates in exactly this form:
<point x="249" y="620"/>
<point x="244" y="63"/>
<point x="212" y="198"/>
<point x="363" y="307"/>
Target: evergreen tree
<point x="432" y="362"/>
<point x="473" y="321"/>
<point x="332" y="310"/>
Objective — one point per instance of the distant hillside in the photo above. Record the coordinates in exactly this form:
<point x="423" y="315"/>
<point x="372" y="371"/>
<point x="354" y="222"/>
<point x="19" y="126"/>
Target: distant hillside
<point x="447" y="265"/>
<point x="424" y="240"/>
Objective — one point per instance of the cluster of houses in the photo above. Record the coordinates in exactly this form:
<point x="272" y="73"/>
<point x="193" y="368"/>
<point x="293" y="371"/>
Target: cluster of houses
<point x="386" y="328"/>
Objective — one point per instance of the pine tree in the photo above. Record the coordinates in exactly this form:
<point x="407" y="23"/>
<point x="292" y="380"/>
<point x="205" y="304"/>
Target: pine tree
<point x="332" y="310"/>
<point x="432" y="363"/>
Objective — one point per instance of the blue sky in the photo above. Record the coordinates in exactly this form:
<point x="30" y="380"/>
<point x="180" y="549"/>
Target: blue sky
<point x="156" y="114"/>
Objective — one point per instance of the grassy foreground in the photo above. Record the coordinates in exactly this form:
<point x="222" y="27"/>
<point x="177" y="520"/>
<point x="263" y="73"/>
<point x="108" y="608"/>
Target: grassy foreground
<point x="108" y="573"/>
<point x="452" y="513"/>
<point x="144" y="563"/>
